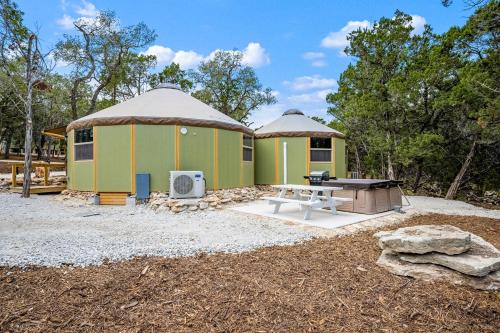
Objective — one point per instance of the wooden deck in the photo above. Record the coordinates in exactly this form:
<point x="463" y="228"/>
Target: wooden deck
<point x="40" y="189"/>
<point x="35" y="189"/>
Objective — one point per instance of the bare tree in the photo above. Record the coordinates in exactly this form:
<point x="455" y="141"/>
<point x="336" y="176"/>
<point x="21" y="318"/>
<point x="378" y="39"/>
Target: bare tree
<point x="19" y="44"/>
<point x="97" y="55"/>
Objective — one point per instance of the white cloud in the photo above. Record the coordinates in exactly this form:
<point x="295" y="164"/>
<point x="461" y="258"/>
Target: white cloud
<point x="87" y="9"/>
<point x="317" y="58"/>
<point x="313" y="55"/>
<point x="266" y="114"/>
<point x="86" y="12"/>
<point x="66" y="22"/>
<point x="310" y="82"/>
<point x="418" y="23"/>
<point x="338" y="39"/>
<point x="187" y="59"/>
<point x="319" y="63"/>
<point x="165" y="56"/>
<point x="314" y="97"/>
<point x="254" y="55"/>
<point x="58" y="64"/>
<point x="64" y="5"/>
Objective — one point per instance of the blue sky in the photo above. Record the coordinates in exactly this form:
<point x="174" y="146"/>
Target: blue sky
<point x="294" y="46"/>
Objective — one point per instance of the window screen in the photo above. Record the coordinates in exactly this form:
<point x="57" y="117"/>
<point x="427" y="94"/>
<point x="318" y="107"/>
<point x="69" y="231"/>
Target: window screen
<point x="84" y="135"/>
<point x="321" y="143"/>
<point x="84" y="151"/>
<point x="247" y="154"/>
<point x="247" y="148"/>
<point x="247" y="141"/>
<point x="84" y="144"/>
<point x="321" y="150"/>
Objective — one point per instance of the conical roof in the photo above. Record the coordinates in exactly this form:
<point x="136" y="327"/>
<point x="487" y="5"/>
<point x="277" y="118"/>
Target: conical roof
<point x="165" y="105"/>
<point x="294" y="123"/>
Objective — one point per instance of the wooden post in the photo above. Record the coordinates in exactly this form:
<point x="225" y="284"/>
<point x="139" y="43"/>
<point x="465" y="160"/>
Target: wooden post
<point x="14" y="174"/>
<point x="46" y="175"/>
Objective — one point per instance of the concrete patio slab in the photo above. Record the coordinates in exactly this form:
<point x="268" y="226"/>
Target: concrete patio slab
<point x="319" y="218"/>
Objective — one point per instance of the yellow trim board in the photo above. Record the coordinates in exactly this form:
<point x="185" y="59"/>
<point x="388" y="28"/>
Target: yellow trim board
<point x="308" y="157"/>
<point x="241" y="160"/>
<point x="177" y="147"/>
<point x="334" y="172"/>
<point x="276" y="160"/>
<point x="73" y="162"/>
<point x="216" y="159"/>
<point x="132" y="158"/>
<point x="94" y="152"/>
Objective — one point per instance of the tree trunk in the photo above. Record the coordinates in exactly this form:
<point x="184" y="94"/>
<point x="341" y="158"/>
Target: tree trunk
<point x="416" y="185"/>
<point x="358" y="161"/>
<point x="8" y="142"/>
<point x="74" y="100"/>
<point x="390" y="169"/>
<point x="452" y="191"/>
<point x="29" y="120"/>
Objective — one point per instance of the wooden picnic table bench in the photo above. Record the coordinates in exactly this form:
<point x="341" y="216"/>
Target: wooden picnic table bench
<point x="313" y="199"/>
<point x="46" y="166"/>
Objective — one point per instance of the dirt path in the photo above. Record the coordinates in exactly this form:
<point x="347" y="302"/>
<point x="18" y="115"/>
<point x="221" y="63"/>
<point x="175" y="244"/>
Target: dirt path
<point x="329" y="285"/>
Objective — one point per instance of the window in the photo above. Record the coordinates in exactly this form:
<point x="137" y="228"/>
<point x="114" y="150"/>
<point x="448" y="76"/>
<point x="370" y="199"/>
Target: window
<point x="247" y="148"/>
<point x="84" y="144"/>
<point x="321" y="149"/>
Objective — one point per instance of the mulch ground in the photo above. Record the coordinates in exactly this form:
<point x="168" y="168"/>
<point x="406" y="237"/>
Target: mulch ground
<point x="330" y="285"/>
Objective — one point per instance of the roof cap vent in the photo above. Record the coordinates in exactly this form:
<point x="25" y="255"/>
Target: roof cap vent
<point x="166" y="85"/>
<point x="294" y="112"/>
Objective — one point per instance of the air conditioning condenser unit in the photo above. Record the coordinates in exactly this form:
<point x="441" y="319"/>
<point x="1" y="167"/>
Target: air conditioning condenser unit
<point x="186" y="184"/>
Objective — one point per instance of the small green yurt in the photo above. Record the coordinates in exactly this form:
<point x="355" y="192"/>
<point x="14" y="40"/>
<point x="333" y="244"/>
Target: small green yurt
<point x="308" y="145"/>
<point x="161" y="130"/>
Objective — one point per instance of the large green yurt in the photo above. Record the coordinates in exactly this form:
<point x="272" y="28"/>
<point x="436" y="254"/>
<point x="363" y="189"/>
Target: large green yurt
<point x="161" y="130"/>
<point x="310" y="146"/>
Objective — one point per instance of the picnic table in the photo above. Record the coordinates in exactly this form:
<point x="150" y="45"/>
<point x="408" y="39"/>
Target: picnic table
<point x="308" y="197"/>
<point x="46" y="166"/>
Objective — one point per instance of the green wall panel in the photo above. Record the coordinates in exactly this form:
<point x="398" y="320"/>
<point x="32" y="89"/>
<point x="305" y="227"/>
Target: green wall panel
<point x="84" y="175"/>
<point x="340" y="166"/>
<point x="155" y="154"/>
<point x="264" y="161"/>
<point x="248" y="174"/>
<point x="69" y="159"/>
<point x="113" y="158"/>
<point x="296" y="160"/>
<point x="229" y="158"/>
<point x="197" y="152"/>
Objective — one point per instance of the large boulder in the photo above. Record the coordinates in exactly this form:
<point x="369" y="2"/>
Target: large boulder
<point x="424" y="239"/>
<point x="428" y="272"/>
<point x="481" y="259"/>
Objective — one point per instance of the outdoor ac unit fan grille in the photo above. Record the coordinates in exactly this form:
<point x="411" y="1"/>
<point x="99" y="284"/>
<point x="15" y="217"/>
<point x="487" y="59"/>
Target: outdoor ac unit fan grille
<point x="183" y="184"/>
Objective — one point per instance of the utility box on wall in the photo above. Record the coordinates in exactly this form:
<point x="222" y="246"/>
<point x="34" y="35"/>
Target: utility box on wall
<point x="142" y="186"/>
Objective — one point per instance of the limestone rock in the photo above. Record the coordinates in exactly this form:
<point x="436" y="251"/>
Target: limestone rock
<point x="203" y="205"/>
<point x="178" y="209"/>
<point x="211" y="198"/>
<point x="481" y="259"/>
<point x="430" y="272"/>
<point x="424" y="239"/>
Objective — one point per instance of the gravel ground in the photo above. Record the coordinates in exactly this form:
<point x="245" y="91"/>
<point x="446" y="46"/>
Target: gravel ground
<point x="450" y="207"/>
<point x="45" y="232"/>
<point x="42" y="231"/>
